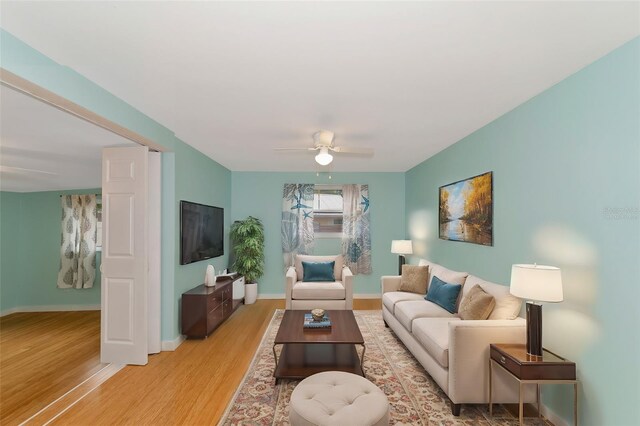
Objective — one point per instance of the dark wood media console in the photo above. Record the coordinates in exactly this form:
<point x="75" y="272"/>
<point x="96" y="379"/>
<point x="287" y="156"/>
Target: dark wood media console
<point x="205" y="308"/>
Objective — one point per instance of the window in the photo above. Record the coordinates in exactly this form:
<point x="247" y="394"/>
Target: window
<point x="327" y="211"/>
<point x="99" y="224"/>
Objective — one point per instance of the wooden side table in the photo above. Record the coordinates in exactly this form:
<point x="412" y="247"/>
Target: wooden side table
<point x="529" y="369"/>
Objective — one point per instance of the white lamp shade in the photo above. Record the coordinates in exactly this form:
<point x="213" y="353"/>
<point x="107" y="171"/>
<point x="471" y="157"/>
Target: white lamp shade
<point x="324" y="158"/>
<point x="401" y="247"/>
<point x="536" y="282"/>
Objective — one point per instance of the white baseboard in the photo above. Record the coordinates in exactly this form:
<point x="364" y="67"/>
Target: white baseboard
<point x="271" y="296"/>
<point x="355" y="296"/>
<point x="172" y="345"/>
<point x="552" y="416"/>
<point x="367" y="296"/>
<point x="50" y="308"/>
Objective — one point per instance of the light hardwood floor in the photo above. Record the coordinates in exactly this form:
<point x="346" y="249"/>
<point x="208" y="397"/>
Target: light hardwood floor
<point x="192" y="385"/>
<point x="42" y="356"/>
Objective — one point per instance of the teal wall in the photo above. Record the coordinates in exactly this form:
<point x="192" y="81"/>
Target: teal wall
<point x="187" y="173"/>
<point x="10" y="224"/>
<point x="259" y="194"/>
<point x="30" y="238"/>
<point x="562" y="162"/>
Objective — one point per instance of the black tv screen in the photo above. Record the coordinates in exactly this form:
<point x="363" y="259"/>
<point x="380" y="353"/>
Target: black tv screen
<point x="201" y="232"/>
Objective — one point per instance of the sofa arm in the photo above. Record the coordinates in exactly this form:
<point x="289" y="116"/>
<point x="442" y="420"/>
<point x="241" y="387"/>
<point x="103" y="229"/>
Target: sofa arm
<point x="469" y="359"/>
<point x="390" y="283"/>
<point x="347" y="281"/>
<point x="290" y="280"/>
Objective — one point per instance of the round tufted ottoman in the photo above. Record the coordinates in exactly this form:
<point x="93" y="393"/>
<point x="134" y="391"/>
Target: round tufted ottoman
<point x="337" y="398"/>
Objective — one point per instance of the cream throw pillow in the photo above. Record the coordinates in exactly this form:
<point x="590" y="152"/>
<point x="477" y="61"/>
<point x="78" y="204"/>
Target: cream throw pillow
<point x="414" y="279"/>
<point x="477" y="304"/>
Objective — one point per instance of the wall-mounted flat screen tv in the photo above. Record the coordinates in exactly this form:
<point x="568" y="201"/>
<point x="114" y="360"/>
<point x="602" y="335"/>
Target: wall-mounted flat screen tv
<point x="201" y="232"/>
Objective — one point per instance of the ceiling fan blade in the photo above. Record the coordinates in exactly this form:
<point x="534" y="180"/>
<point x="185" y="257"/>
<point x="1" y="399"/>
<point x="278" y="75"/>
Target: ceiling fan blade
<point x="295" y="149"/>
<point x="323" y="138"/>
<point x="11" y="169"/>
<point x="352" y="150"/>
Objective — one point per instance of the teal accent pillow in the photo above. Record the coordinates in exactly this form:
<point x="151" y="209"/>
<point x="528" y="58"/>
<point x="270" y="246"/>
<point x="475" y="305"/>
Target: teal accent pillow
<point x="443" y="294"/>
<point x="318" y="271"/>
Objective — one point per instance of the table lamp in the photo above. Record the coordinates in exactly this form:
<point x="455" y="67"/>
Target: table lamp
<point x="535" y="283"/>
<point x="401" y="247"/>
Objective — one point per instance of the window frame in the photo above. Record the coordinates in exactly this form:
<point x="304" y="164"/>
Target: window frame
<point x="99" y="223"/>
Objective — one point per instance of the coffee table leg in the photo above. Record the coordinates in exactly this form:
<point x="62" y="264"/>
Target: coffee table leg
<point x="364" y="348"/>
<point x="275" y="357"/>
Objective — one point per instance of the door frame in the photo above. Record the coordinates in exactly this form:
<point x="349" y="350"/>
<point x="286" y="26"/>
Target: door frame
<point x="20" y="84"/>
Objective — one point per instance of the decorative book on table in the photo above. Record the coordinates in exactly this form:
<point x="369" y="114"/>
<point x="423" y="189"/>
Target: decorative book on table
<point x="309" y="322"/>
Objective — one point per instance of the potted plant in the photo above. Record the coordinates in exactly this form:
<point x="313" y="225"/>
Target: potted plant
<point x="247" y="238"/>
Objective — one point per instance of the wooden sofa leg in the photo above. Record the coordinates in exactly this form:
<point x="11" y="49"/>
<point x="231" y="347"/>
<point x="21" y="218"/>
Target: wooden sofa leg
<point x="385" y="324"/>
<point x="455" y="409"/>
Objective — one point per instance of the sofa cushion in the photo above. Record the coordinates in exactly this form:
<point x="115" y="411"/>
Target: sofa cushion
<point x="406" y="312"/>
<point x="433" y="335"/>
<point x="477" y="304"/>
<point x="444" y="294"/>
<point x="430" y="265"/>
<point x="507" y="305"/>
<point x="318" y="291"/>
<point x="447" y="275"/>
<point x="318" y="271"/>
<point x="390" y="298"/>
<point x="414" y="279"/>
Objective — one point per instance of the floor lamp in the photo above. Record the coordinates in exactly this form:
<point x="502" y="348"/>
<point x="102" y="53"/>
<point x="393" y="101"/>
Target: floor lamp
<point x="536" y="283"/>
<point x="401" y="247"/>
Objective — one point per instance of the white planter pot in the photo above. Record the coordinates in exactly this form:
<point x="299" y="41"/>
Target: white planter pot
<point x="250" y="293"/>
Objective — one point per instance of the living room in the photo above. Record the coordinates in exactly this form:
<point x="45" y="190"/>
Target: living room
<point x="545" y="96"/>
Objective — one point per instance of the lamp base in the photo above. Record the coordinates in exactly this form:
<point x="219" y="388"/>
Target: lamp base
<point x="401" y="261"/>
<point x="534" y="329"/>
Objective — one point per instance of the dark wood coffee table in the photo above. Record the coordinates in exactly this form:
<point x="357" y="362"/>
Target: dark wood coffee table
<point x="309" y="351"/>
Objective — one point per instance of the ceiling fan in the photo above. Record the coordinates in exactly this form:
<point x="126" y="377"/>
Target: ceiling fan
<point x="323" y="142"/>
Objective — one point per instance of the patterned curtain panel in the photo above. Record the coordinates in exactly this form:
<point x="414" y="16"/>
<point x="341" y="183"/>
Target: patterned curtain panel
<point x="356" y="237"/>
<point x="297" y="221"/>
<point x="78" y="248"/>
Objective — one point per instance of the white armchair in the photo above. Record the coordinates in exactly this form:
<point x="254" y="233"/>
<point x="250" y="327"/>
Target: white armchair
<point x="326" y="295"/>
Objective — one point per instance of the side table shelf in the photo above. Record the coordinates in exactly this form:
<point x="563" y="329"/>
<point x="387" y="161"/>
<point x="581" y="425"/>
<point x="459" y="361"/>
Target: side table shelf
<point x="529" y="369"/>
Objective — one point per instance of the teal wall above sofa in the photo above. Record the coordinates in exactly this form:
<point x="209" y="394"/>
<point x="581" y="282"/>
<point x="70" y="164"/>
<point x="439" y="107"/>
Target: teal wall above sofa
<point x="566" y="178"/>
<point x="259" y="194"/>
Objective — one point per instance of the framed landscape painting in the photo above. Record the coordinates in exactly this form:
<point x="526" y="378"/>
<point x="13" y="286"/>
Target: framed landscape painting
<point x="466" y="210"/>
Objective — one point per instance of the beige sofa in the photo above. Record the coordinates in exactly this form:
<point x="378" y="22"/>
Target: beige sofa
<point x="453" y="351"/>
<point x="325" y="295"/>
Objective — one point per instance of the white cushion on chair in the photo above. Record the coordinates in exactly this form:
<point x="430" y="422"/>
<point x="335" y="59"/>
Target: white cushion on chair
<point x="318" y="291"/>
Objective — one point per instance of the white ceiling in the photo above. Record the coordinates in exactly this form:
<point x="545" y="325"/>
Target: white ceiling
<point x="237" y="79"/>
<point x="44" y="149"/>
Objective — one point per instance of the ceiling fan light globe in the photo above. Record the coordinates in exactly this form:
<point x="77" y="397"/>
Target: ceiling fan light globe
<point x="324" y="158"/>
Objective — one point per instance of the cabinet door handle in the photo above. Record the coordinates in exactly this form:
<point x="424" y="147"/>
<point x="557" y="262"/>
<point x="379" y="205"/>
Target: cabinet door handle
<point x="503" y="360"/>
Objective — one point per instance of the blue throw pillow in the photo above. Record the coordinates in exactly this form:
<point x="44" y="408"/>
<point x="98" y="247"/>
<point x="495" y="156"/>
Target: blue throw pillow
<point x="318" y="271"/>
<point x="443" y="294"/>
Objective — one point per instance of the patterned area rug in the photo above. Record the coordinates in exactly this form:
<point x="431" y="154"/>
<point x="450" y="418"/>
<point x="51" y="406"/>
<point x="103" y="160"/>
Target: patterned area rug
<point x="414" y="397"/>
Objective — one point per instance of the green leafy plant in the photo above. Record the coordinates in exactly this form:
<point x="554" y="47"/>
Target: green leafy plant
<point x="247" y="237"/>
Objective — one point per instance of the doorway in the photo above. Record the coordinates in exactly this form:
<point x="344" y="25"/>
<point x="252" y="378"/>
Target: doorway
<point x="49" y="336"/>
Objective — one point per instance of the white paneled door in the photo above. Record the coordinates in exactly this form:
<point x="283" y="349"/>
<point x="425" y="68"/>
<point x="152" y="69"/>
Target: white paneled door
<point x="124" y="318"/>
